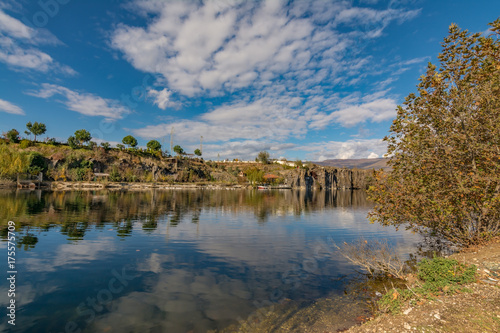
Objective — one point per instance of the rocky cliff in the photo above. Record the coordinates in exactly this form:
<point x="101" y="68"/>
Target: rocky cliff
<point x="328" y="178"/>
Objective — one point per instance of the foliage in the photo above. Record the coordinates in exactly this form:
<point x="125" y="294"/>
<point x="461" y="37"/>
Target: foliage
<point x="130" y="141"/>
<point x="73" y="142"/>
<point x="178" y="150"/>
<point x="12" y="136"/>
<point x="84" y="171"/>
<point x="105" y="145"/>
<point x="298" y="163"/>
<point x="153" y="145"/>
<point x="12" y="161"/>
<point x="114" y="175"/>
<point x="197" y="152"/>
<point x="25" y="144"/>
<point x="51" y="141"/>
<point x="263" y="157"/>
<point x="92" y="145"/>
<point x="120" y="146"/>
<point x="439" y="275"/>
<point x="255" y="175"/>
<point x="36" y="128"/>
<point x="445" y="146"/>
<point x="440" y="272"/>
<point x="36" y="163"/>
<point x="82" y="136"/>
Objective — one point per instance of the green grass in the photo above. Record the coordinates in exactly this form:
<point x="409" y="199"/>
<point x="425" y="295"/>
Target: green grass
<point x="436" y="276"/>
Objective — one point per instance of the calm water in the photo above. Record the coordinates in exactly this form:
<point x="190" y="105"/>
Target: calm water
<point x="176" y="261"/>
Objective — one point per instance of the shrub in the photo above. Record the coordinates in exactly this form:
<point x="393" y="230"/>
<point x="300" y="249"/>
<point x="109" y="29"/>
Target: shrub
<point x="12" y="136"/>
<point x="25" y="144"/>
<point x="439" y="275"/>
<point x="114" y="175"/>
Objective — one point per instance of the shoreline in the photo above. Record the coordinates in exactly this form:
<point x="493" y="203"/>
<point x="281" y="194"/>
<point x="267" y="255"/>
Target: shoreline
<point x="94" y="186"/>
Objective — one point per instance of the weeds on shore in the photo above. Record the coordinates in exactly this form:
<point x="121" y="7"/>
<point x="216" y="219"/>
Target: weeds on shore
<point x="435" y="277"/>
<point x="423" y="280"/>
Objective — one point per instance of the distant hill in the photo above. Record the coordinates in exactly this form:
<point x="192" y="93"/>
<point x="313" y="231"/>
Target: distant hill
<point x="363" y="163"/>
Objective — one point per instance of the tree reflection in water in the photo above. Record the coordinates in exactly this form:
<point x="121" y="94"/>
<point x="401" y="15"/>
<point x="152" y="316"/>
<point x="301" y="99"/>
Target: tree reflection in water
<point x="76" y="211"/>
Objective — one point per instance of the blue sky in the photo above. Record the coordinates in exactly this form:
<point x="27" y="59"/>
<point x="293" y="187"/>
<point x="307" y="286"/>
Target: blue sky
<point x="302" y="79"/>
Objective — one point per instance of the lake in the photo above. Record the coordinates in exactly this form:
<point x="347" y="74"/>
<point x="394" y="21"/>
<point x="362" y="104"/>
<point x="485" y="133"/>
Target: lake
<point x="178" y="260"/>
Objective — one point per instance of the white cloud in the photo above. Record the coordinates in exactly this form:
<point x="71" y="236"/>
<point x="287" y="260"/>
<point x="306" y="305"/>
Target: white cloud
<point x="272" y="118"/>
<point x="219" y="47"/>
<point x="160" y="98"/>
<point x="84" y="103"/>
<point x="14" y="28"/>
<point x="10" y="108"/>
<point x="17" y="50"/>
<point x="352" y="114"/>
<point x="320" y="151"/>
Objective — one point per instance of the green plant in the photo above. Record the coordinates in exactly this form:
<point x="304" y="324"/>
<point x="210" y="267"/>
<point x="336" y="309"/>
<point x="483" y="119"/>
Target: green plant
<point x="114" y="175"/>
<point x="392" y="301"/>
<point x="12" y="136"/>
<point x="441" y="272"/>
<point x="263" y="157"/>
<point x="73" y="143"/>
<point x="82" y="136"/>
<point x="25" y="144"/>
<point x="439" y="275"/>
<point x="92" y="145"/>
<point x="36" y="128"/>
<point x="197" y="152"/>
<point x="178" y="150"/>
<point x="444" y="146"/>
<point x="51" y="141"/>
<point x="36" y="163"/>
<point x="130" y="141"/>
<point x="105" y="145"/>
<point x="153" y="146"/>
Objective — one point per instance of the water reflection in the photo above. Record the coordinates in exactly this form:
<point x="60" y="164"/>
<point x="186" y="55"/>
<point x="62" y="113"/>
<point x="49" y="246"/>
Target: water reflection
<point x="77" y="211"/>
<point x="199" y="259"/>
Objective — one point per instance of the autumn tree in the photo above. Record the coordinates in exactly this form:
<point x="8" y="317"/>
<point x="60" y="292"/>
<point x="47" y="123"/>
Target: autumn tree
<point x="130" y="141"/>
<point x="444" y="146"/>
<point x="36" y="128"/>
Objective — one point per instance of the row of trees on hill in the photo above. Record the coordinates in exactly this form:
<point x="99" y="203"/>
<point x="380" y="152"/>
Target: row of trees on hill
<point x="82" y="138"/>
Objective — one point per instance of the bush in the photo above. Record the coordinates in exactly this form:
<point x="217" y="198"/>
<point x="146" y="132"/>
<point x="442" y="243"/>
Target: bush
<point x="25" y="144"/>
<point x="73" y="143"/>
<point x="439" y="275"/>
<point x="12" y="136"/>
<point x="440" y="272"/>
<point x="37" y="163"/>
<point x="114" y="175"/>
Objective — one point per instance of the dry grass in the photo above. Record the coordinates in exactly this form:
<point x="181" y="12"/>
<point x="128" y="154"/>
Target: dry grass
<point x="374" y="257"/>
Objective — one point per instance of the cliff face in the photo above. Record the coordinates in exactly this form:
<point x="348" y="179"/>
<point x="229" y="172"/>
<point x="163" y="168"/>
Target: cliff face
<point x="328" y="178"/>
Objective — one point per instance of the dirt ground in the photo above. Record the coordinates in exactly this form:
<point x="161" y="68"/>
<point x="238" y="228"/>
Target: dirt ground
<point x="474" y="311"/>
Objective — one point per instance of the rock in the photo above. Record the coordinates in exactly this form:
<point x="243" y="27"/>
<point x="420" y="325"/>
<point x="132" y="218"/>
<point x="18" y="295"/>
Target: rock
<point x="437" y="316"/>
<point x="407" y="326"/>
<point x="405" y="312"/>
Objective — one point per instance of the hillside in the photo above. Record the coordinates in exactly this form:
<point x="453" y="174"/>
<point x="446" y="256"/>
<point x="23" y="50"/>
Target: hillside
<point x="60" y="163"/>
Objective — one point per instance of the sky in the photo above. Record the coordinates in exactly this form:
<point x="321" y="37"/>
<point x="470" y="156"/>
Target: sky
<point x="309" y="80"/>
